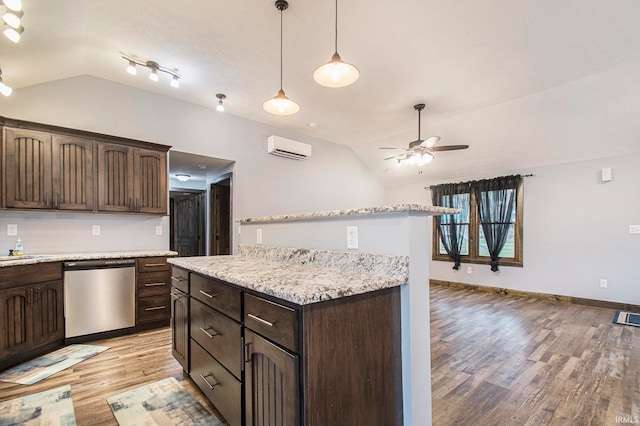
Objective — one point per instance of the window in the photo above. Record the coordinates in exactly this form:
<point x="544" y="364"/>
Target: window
<point x="467" y="226"/>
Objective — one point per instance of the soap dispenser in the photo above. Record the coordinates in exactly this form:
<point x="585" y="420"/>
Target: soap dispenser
<point x="19" y="251"/>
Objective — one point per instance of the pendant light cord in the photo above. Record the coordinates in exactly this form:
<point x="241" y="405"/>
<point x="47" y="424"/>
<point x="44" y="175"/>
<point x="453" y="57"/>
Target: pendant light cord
<point x="281" y="49"/>
<point x="336" y="39"/>
<point x="419" y="116"/>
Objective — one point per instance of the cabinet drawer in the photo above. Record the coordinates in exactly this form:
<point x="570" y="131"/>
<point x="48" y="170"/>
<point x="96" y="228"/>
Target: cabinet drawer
<point x="180" y="279"/>
<point x="217" y="295"/>
<point x="273" y="321"/>
<point x="218" y="385"/>
<point x="218" y="334"/>
<point x="154" y="283"/>
<point x="152" y="264"/>
<point x="154" y="308"/>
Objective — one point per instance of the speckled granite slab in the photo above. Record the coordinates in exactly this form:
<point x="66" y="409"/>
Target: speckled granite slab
<point x="297" y="283"/>
<point x="44" y="258"/>
<point x="397" y="208"/>
<point x="352" y="261"/>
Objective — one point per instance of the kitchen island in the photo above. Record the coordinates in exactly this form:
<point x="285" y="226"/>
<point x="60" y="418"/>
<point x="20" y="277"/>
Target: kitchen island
<point x="293" y="264"/>
<point x="313" y="336"/>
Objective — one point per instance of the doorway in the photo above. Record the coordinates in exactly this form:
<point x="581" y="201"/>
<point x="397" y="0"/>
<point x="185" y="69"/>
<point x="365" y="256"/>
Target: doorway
<point x="220" y="216"/>
<point x="187" y="223"/>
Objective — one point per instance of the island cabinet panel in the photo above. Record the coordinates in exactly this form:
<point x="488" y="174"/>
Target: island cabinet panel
<point x="180" y="307"/>
<point x="352" y="365"/>
<point x="218" y="295"/>
<point x="28" y="169"/>
<point x="32" y="319"/>
<point x="72" y="168"/>
<point x="272" y="394"/>
<point x="219" y="385"/>
<point x="272" y="320"/>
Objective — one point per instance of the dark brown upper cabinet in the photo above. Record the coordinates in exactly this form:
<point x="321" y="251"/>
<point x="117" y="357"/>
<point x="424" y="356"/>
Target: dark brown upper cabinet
<point x="53" y="168"/>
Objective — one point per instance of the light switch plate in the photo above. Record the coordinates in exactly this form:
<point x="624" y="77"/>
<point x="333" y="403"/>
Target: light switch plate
<point x="634" y="229"/>
<point x="12" y="229"/>
<point x="158" y="230"/>
<point x="95" y="230"/>
<point x="352" y="237"/>
<point x="259" y="236"/>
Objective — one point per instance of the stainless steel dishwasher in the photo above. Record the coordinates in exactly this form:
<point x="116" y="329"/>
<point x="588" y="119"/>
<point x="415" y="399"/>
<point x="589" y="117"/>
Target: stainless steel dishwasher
<point x="99" y="298"/>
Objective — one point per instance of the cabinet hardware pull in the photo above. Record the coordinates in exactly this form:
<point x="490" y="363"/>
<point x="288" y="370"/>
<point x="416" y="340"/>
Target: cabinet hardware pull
<point x="155" y="308"/>
<point x="247" y="353"/>
<point x="154" y="284"/>
<point x="257" y="318"/>
<point x="176" y="297"/>
<point x="178" y="279"/>
<point x="209" y="335"/>
<point x="149" y="265"/>
<point x="211" y="386"/>
<point x="211" y="296"/>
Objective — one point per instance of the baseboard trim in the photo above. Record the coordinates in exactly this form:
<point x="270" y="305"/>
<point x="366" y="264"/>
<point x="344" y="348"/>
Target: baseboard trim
<point x="545" y="296"/>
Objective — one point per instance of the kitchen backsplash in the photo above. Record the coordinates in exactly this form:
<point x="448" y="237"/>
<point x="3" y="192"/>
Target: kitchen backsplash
<point x="50" y="233"/>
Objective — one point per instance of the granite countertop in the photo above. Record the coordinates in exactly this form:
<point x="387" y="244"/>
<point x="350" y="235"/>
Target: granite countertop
<point x="302" y="276"/>
<point x="396" y="208"/>
<point x="44" y="258"/>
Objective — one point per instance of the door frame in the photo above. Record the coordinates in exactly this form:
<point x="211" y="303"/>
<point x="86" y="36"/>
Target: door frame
<point x="220" y="178"/>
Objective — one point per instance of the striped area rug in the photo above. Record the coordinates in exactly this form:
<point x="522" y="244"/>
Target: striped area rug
<point x="626" y="318"/>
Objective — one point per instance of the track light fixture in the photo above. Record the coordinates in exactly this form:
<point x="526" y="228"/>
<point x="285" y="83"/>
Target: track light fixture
<point x="221" y="98"/>
<point x="4" y="89"/>
<point x="281" y="104"/>
<point x="336" y="72"/>
<point x="12" y="19"/>
<point x="154" y="68"/>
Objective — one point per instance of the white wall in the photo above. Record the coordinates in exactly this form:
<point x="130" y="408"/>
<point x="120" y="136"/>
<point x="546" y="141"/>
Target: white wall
<point x="576" y="231"/>
<point x="333" y="178"/>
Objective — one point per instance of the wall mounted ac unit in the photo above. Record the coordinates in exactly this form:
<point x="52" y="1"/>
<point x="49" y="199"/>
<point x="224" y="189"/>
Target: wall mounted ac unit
<point x="283" y="147"/>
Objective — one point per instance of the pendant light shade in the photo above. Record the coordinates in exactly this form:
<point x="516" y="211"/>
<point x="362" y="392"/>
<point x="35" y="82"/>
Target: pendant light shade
<point x="336" y="72"/>
<point x="281" y="104"/>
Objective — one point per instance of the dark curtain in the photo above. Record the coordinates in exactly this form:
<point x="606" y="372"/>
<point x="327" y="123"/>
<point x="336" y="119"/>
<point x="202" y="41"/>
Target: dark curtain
<point x="496" y="201"/>
<point x="452" y="228"/>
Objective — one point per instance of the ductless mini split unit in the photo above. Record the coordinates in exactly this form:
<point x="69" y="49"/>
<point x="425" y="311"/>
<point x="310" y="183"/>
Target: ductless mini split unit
<point x="283" y="147"/>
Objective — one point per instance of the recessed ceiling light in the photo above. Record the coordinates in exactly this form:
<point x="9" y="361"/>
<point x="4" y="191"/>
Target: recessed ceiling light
<point x="182" y="177"/>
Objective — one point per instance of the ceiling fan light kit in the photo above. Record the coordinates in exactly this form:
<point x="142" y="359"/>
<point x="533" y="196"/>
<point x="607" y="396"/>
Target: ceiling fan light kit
<point x="420" y="151"/>
<point x="12" y="18"/>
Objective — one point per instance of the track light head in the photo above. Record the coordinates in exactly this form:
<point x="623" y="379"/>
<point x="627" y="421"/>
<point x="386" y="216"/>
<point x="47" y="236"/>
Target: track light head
<point x="220" y="106"/>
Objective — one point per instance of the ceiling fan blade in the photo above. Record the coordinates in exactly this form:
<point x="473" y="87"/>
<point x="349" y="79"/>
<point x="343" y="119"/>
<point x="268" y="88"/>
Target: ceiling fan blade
<point x="399" y="157"/>
<point x="430" y="141"/>
<point x="448" y="147"/>
<point x="401" y="149"/>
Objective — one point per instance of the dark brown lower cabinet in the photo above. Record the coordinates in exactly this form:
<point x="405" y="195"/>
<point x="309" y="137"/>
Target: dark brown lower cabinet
<point x="180" y="327"/>
<point x="271" y="383"/>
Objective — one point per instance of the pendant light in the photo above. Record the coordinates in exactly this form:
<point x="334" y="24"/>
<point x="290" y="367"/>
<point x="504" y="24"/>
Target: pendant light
<point x="336" y="72"/>
<point x="281" y="104"/>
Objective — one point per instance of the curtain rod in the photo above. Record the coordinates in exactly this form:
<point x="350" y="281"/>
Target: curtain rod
<point x="524" y="176"/>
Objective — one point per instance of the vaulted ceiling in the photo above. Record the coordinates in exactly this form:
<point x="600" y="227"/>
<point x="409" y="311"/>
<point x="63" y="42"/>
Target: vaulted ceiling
<point x="524" y="83"/>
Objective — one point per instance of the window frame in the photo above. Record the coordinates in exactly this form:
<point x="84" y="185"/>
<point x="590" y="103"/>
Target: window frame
<point x="474" y="236"/>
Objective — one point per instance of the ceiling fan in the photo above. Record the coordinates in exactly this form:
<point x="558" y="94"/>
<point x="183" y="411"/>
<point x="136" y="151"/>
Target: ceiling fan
<point x="420" y="151"/>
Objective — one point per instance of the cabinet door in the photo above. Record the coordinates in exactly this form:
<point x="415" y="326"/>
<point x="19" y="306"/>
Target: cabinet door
<point x="115" y="178"/>
<point x="16" y="323"/>
<point x="151" y="181"/>
<point x="48" y="316"/>
<point x="28" y="169"/>
<point x="180" y="327"/>
<point x="72" y="164"/>
<point x="271" y="384"/>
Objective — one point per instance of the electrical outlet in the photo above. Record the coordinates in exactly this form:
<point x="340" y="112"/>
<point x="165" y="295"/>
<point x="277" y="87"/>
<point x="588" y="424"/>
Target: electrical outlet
<point x="12" y="229"/>
<point x="633" y="229"/>
<point x="158" y="230"/>
<point x="603" y="283"/>
<point x="259" y="236"/>
<point x="95" y="230"/>
<point x="352" y="237"/>
<point x="469" y="269"/>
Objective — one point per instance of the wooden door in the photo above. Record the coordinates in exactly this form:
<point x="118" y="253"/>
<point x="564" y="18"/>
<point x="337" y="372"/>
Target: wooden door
<point x="48" y="316"/>
<point x="28" y="169"/>
<point x="115" y="178"/>
<point x="187" y="222"/>
<point x="72" y="164"/>
<point x="16" y="323"/>
<point x="180" y="327"/>
<point x="151" y="181"/>
<point x="271" y="384"/>
<point x="220" y="218"/>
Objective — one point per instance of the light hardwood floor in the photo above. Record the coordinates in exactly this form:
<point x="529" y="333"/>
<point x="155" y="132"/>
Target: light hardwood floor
<point x="132" y="361"/>
<point x="513" y="360"/>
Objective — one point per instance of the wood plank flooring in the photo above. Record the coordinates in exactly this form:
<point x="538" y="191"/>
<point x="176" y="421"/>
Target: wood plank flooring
<point x="516" y="360"/>
<point x="132" y="361"/>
